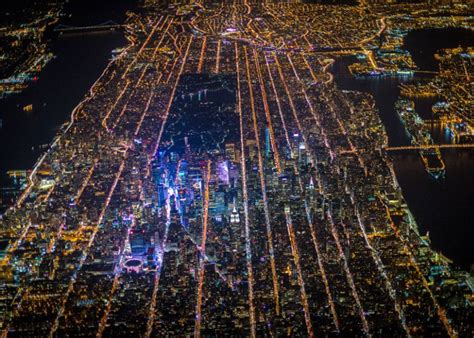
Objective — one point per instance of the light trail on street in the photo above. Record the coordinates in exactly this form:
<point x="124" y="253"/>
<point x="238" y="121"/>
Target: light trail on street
<point x="77" y="198"/>
<point x="86" y="250"/>
<point x="248" y="248"/>
<point x="197" y="327"/>
<point x="279" y="226"/>
<point x="218" y="56"/>
<point x="388" y="285"/>
<point x="373" y="253"/>
<point x="280" y="110"/>
<point x="267" y="112"/>
<point x="263" y="189"/>
<point x="151" y="312"/>
<point x="296" y="259"/>
<point x="106" y="117"/>
<point x="117" y="275"/>
<point x="292" y="105"/>
<point x="441" y="312"/>
<point x="202" y="56"/>
<point x="145" y="43"/>
<point x="350" y="279"/>
<point x="315" y="116"/>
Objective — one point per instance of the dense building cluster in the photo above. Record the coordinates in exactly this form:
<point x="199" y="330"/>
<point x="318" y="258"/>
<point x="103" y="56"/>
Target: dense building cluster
<point x="215" y="181"/>
<point x="24" y="51"/>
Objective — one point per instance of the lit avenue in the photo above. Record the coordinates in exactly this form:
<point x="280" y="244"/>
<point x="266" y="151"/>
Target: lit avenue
<point x="215" y="181"/>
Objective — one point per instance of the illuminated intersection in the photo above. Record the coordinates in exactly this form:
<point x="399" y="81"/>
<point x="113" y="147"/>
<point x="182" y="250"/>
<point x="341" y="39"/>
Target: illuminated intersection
<point x="216" y="182"/>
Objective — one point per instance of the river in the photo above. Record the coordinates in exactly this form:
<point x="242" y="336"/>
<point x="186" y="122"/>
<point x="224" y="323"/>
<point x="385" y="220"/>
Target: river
<point x="79" y="61"/>
<point x="440" y="207"/>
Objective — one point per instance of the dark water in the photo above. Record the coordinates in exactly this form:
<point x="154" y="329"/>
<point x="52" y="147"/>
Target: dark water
<point x="441" y="207"/>
<point x="94" y="12"/>
<point x="423" y="44"/>
<point x="80" y="59"/>
<point x="61" y="85"/>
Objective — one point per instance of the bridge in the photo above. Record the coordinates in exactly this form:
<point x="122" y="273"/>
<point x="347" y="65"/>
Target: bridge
<point x="108" y="25"/>
<point x="430" y="146"/>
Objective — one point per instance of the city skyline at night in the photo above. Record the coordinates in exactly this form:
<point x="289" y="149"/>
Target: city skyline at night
<point x="237" y="168"/>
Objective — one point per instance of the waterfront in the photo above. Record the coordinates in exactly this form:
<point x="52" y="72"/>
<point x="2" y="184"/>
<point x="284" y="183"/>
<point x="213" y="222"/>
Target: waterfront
<point x="440" y="207"/>
<point x="79" y="61"/>
<point x="281" y="218"/>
